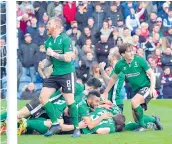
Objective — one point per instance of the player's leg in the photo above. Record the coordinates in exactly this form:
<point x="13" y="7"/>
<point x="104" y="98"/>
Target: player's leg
<point x="49" y="87"/>
<point x="138" y="110"/>
<point x="68" y="89"/>
<point x="139" y="102"/>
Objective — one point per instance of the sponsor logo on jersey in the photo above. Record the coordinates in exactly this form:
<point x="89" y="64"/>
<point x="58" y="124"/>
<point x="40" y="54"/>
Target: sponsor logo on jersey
<point x="132" y="74"/>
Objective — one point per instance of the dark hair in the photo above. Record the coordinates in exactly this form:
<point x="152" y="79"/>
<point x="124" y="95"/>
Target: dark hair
<point x="96" y="83"/>
<point x="119" y="120"/>
<point x="166" y="67"/>
<point x="93" y="93"/>
<point x="124" y="47"/>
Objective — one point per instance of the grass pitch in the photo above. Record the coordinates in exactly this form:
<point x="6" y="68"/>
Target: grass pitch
<point x="162" y="108"/>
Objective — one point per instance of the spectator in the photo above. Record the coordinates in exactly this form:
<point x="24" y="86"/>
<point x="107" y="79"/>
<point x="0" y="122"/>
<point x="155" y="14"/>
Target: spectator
<point x="98" y="16"/>
<point x="166" y="58"/>
<point x="86" y="35"/>
<point x="20" y="35"/>
<point x="159" y="23"/>
<point x="167" y="83"/>
<point x="114" y="14"/>
<point x="127" y="6"/>
<point x="58" y="13"/>
<point x="142" y="39"/>
<point x="167" y="22"/>
<point x="39" y="56"/>
<point x="113" y="37"/>
<point x="119" y="41"/>
<point x="39" y="10"/>
<point x="156" y="29"/>
<point x="132" y="20"/>
<point x="152" y="20"/>
<point x="45" y="19"/>
<point x="126" y="37"/>
<point x="163" y="13"/>
<point x="158" y="55"/>
<point x="51" y="8"/>
<point x="140" y="52"/>
<point x="69" y="12"/>
<point x="149" y="47"/>
<point x="106" y="30"/>
<point x="136" y="43"/>
<point x="27" y="52"/>
<point x="86" y="49"/>
<point x="144" y="16"/>
<point x="102" y="48"/>
<point x="29" y="93"/>
<point x="28" y="10"/>
<point x="88" y="8"/>
<point x="24" y="22"/>
<point x="144" y="30"/>
<point x="75" y="33"/>
<point x="120" y="27"/>
<point x="81" y="17"/>
<point x="169" y="36"/>
<point x="24" y="4"/>
<point x="92" y="26"/>
<point x="90" y="60"/>
<point x="33" y="29"/>
<point x="83" y="72"/>
<point x="40" y="35"/>
<point x="19" y="11"/>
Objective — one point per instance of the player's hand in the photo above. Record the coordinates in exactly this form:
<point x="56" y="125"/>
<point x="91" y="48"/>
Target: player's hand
<point x="106" y="115"/>
<point x="102" y="65"/>
<point x="153" y="93"/>
<point x="104" y="95"/>
<point x="82" y="124"/>
<point x="50" y="52"/>
<point x="41" y="64"/>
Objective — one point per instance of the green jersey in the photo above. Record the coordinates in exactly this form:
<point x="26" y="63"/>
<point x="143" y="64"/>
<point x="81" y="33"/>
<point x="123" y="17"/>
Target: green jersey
<point x="114" y="93"/>
<point x="61" y="45"/>
<point x="106" y="123"/>
<point x="135" y="72"/>
<point x="114" y="110"/>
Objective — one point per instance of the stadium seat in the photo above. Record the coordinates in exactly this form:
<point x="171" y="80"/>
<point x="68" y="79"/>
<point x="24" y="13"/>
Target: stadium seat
<point x="25" y="79"/>
<point x="22" y="85"/>
<point x="38" y="87"/>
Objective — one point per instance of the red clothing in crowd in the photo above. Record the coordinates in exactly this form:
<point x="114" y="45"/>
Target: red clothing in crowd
<point x="145" y="33"/>
<point x="69" y="12"/>
<point x="23" y="26"/>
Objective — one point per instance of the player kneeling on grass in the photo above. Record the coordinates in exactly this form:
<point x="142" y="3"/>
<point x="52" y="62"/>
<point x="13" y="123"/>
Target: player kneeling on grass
<point x="141" y="78"/>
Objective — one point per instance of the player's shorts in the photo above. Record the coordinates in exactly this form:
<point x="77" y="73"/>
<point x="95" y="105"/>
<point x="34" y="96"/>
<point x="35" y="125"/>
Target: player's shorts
<point x="35" y="107"/>
<point x="145" y="92"/>
<point x="67" y="82"/>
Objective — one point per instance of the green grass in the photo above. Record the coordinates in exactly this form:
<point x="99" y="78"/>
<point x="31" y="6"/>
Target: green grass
<point x="162" y="108"/>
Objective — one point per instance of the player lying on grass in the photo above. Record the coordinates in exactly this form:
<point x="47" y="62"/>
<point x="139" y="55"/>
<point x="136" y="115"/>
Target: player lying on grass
<point x="141" y="78"/>
<point x="35" y="109"/>
<point x="100" y="121"/>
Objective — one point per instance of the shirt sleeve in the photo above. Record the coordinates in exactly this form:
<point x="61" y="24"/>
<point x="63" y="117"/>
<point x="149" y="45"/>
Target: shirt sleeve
<point x="67" y="45"/>
<point x="143" y="63"/>
<point x="117" y="69"/>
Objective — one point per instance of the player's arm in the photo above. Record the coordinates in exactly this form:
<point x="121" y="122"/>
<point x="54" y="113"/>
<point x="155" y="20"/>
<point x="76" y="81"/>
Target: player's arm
<point x="66" y="57"/>
<point x="111" y="82"/>
<point x="42" y="65"/>
<point x="104" y="75"/>
<point x="93" y="123"/>
<point x="152" y="78"/>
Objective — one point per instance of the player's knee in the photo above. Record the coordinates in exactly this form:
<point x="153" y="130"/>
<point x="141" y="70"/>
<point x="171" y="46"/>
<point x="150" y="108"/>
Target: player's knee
<point x="42" y="99"/>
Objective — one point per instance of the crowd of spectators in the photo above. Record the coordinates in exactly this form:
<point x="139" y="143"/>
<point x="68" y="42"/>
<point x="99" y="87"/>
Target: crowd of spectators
<point x="95" y="28"/>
